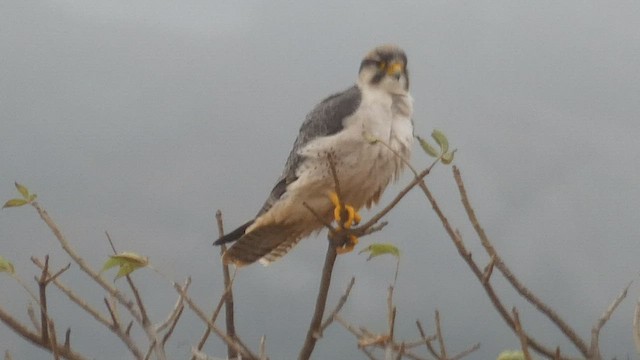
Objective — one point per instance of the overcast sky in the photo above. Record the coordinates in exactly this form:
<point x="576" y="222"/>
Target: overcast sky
<point x="144" y="117"/>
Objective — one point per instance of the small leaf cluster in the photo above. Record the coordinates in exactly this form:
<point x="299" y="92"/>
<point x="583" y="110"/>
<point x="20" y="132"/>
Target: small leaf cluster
<point x="127" y="261"/>
<point x="381" y="249"/>
<point x="444" y="154"/>
<point x="27" y="197"/>
<point x="511" y="355"/>
<point x="6" y="266"/>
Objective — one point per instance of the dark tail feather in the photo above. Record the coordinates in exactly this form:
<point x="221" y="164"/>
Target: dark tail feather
<point x="234" y="235"/>
<point x="272" y="241"/>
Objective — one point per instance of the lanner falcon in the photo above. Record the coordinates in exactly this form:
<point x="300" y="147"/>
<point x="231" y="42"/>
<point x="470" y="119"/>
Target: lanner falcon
<point x="356" y="128"/>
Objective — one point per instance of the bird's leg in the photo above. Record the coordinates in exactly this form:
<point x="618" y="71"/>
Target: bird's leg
<point x="346" y="216"/>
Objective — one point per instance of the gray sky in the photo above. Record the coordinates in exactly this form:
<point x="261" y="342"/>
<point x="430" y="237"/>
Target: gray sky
<point x="142" y="118"/>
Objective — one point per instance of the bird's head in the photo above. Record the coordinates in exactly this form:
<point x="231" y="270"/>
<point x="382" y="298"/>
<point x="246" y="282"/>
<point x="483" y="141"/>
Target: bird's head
<point x="385" y="68"/>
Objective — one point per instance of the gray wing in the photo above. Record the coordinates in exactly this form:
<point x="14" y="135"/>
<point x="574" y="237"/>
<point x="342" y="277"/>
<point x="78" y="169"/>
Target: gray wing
<point x="324" y="120"/>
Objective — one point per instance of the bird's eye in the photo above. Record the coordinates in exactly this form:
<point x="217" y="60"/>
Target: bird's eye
<point x="382" y="65"/>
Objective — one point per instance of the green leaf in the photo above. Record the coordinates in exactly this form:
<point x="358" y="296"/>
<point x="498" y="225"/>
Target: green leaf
<point x="15" y="203"/>
<point x="447" y="158"/>
<point x="441" y="139"/>
<point x="428" y="148"/>
<point x="33" y="197"/>
<point x="6" y="266"/>
<point x="128" y="262"/>
<point x="381" y="249"/>
<point x="511" y="355"/>
<point x="22" y="190"/>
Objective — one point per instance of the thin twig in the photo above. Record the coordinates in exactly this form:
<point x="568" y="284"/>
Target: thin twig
<point x="228" y="299"/>
<point x="32" y="316"/>
<point x="236" y="343"/>
<point x="263" y="347"/>
<point x="595" y="331"/>
<point x="42" y="287"/>
<point x="456" y="237"/>
<point x="95" y="276"/>
<point x="427" y="339"/>
<point x="173" y="318"/>
<point x="113" y="325"/>
<point x="213" y="318"/>
<point x="464" y="353"/>
<point x="321" y="301"/>
<point x="53" y="340"/>
<point x="524" y="345"/>
<point x="443" y="349"/>
<point x="513" y="280"/>
<point x="35" y="338"/>
<point x="636" y="327"/>
<point x="336" y="310"/>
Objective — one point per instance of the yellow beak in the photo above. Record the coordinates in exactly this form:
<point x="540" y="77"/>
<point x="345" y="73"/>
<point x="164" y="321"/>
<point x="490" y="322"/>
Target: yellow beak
<point x="395" y="68"/>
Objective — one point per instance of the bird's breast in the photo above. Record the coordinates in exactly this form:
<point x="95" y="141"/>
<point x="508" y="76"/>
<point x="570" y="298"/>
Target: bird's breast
<point x="368" y="153"/>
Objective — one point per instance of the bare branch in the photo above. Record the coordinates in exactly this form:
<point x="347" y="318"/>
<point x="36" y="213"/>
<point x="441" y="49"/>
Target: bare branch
<point x="595" y="331"/>
<point x="177" y="309"/>
<point x="228" y="299"/>
<point x="466" y="352"/>
<point x="67" y="339"/>
<point x="513" y="280"/>
<point x="488" y="270"/>
<point x="213" y="318"/>
<point x="341" y="302"/>
<point x="524" y="345"/>
<point x="456" y="237"/>
<point x="636" y="327"/>
<point x="35" y="338"/>
<point x="321" y="301"/>
<point x="443" y="349"/>
<point x="53" y="340"/>
<point x="32" y="316"/>
<point x="263" y="347"/>
<point x="236" y="343"/>
<point x="427" y="339"/>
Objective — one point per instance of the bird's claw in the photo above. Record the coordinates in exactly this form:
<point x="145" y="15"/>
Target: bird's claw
<point x="348" y="212"/>
<point x="348" y="246"/>
<point x="346" y="216"/>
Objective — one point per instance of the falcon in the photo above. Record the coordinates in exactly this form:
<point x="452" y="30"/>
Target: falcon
<point x="364" y="132"/>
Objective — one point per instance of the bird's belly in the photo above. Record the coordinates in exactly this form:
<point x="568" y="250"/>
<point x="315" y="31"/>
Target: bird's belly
<point x="364" y="170"/>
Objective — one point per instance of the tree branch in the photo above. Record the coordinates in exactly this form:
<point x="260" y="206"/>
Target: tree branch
<point x="321" y="301"/>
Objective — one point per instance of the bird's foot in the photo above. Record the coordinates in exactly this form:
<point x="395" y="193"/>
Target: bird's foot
<point x="350" y="242"/>
<point x="345" y="217"/>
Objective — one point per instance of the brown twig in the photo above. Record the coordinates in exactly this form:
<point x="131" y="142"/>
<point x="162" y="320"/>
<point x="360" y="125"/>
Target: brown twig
<point x="228" y="298"/>
<point x="263" y="347"/>
<point x="595" y="331"/>
<point x="213" y="318"/>
<point x="524" y="345"/>
<point x="456" y="237"/>
<point x="443" y="349"/>
<point x="321" y="301"/>
<point x="113" y="325"/>
<point x="42" y="287"/>
<point x="427" y="339"/>
<point x="95" y="276"/>
<point x="464" y="353"/>
<point x="513" y="280"/>
<point x="53" y="340"/>
<point x="636" y="327"/>
<point x="236" y="343"/>
<point x="336" y="310"/>
<point x="32" y="316"/>
<point x="36" y="338"/>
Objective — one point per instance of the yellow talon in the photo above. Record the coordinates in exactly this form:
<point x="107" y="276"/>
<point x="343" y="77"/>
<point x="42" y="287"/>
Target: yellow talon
<point x="348" y="246"/>
<point x="353" y="218"/>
